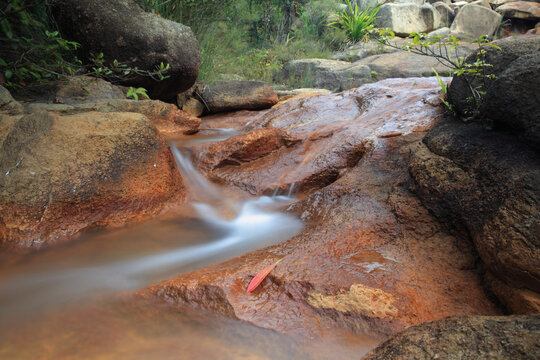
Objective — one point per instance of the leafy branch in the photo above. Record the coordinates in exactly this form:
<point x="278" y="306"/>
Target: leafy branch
<point x="445" y="51"/>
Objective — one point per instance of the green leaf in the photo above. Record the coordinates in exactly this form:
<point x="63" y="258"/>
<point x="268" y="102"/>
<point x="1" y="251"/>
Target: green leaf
<point x="8" y="74"/>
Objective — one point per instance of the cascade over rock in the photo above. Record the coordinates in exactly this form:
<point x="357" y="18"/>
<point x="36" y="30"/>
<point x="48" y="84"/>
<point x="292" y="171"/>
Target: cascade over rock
<point x="371" y="258"/>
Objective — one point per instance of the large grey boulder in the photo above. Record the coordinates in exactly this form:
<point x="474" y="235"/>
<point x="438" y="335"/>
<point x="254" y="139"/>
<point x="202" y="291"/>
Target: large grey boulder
<point x="333" y="75"/>
<point x="238" y="95"/>
<point x="123" y="31"/>
<point x="465" y="338"/>
<point x="513" y="100"/>
<point x="407" y="18"/>
<point x="446" y="13"/>
<point x="475" y="20"/>
<point x="511" y="49"/>
<point x="527" y="10"/>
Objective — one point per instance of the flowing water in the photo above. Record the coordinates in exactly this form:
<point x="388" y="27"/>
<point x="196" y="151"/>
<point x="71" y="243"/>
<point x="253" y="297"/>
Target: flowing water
<point x="72" y="301"/>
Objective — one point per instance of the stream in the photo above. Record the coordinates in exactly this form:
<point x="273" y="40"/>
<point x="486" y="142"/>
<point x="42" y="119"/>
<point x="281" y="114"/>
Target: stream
<point x="76" y="300"/>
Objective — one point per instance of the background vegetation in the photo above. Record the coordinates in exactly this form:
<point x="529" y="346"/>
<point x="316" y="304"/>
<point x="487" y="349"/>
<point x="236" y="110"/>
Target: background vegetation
<point x="249" y="39"/>
<point x="252" y="39"/>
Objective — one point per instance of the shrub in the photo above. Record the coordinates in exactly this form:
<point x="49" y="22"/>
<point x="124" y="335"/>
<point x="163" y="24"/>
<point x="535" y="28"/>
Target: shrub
<point x="357" y="22"/>
<point x="445" y="50"/>
<point x="32" y="49"/>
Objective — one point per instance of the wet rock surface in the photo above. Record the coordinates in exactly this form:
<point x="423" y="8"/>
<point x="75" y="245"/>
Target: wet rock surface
<point x="64" y="173"/>
<point x="371" y="259"/>
<point x="321" y="135"/>
<point x="488" y="184"/>
<point x="475" y="337"/>
<point x="366" y="237"/>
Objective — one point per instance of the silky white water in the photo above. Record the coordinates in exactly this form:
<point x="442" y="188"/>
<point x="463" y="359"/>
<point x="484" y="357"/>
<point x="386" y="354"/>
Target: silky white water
<point x="107" y="262"/>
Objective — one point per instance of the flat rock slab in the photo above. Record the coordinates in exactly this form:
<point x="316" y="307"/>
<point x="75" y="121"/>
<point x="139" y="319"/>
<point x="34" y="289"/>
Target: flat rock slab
<point x="167" y="118"/>
<point x="527" y="10"/>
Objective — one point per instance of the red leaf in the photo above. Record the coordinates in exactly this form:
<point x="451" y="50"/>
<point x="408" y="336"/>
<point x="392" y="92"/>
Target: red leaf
<point x="261" y="275"/>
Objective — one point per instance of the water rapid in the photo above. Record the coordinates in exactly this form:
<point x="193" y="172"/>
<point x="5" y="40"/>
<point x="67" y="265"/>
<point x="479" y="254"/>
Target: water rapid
<point x="105" y="262"/>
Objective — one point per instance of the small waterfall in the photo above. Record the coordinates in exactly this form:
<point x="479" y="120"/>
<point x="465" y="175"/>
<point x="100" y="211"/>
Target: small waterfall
<point x="224" y="228"/>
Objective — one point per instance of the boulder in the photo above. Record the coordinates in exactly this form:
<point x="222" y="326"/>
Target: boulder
<point x="432" y="2"/>
<point x="512" y="102"/>
<point x="8" y="105"/>
<point x="167" y="118"/>
<point x="193" y="107"/>
<point x="236" y="95"/>
<point x="475" y="20"/>
<point x="405" y="64"/>
<point x="72" y="91"/>
<point x="193" y="92"/>
<point x="484" y="3"/>
<point x="456" y="6"/>
<point x="511" y="49"/>
<point x="65" y="173"/>
<point x="407" y="18"/>
<point x="122" y="31"/>
<point x="487" y="184"/>
<point x="333" y="75"/>
<point x="526" y="10"/>
<point x="362" y="50"/>
<point x="445" y="12"/>
<point x="473" y="337"/>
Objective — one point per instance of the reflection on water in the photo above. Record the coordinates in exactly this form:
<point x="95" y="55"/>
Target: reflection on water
<point x="138" y="329"/>
<point x="59" y="303"/>
<point x="134" y="257"/>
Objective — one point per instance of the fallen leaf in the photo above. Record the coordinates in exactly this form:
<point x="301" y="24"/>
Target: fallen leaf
<point x="261" y="275"/>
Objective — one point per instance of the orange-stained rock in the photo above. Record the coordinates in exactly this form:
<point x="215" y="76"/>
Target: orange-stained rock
<point x="64" y="173"/>
<point x="371" y="260"/>
<point x="238" y="149"/>
<point x="167" y="118"/>
<point x="325" y="134"/>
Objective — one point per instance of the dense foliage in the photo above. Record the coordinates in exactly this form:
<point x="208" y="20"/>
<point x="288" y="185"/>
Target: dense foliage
<point x="252" y="39"/>
<point x="32" y="49"/>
